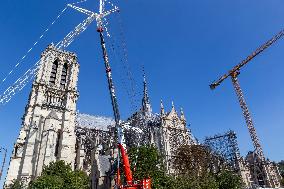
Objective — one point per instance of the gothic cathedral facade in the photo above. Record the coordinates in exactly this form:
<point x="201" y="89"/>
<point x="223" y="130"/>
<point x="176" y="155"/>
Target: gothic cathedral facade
<point x="47" y="131"/>
<point x="52" y="129"/>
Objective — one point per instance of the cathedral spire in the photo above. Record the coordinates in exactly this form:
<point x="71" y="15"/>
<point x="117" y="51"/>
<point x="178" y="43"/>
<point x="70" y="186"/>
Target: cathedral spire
<point x="146" y="106"/>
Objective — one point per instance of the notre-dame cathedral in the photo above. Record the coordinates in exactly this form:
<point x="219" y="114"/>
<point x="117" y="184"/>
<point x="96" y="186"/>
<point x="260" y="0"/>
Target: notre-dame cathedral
<point x="53" y="130"/>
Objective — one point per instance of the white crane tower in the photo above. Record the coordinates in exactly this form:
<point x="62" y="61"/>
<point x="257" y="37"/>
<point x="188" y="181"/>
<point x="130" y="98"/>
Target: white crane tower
<point x="30" y="74"/>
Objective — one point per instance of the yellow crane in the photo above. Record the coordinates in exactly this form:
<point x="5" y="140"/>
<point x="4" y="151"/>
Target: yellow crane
<point x="233" y="73"/>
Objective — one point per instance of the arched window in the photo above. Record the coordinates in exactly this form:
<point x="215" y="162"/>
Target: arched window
<point x="64" y="75"/>
<point x="53" y="73"/>
<point x="57" y="143"/>
<point x="16" y="151"/>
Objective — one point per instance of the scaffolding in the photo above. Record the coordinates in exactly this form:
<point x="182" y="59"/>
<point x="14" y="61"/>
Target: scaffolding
<point x="225" y="146"/>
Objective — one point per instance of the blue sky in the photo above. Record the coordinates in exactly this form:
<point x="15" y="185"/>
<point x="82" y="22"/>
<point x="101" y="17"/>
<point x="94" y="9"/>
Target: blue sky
<point x="184" y="46"/>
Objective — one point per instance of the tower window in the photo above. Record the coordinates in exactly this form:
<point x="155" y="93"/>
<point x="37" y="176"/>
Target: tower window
<point x="64" y="75"/>
<point x="16" y="151"/>
<point x="57" y="143"/>
<point x="53" y="73"/>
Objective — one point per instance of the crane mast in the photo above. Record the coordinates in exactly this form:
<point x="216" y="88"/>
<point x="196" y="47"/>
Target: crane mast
<point x="247" y="116"/>
<point x="233" y="73"/>
<point x="251" y="128"/>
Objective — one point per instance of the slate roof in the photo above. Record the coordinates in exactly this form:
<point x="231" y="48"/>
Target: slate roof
<point x="94" y="122"/>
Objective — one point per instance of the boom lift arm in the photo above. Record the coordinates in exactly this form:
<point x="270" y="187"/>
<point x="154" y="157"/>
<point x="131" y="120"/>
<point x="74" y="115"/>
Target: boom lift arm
<point x="145" y="184"/>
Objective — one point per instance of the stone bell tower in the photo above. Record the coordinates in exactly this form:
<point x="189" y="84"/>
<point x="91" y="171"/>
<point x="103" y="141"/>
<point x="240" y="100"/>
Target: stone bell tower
<point x="47" y="131"/>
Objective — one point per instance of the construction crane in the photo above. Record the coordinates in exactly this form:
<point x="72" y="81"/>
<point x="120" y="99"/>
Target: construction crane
<point x="120" y="136"/>
<point x="28" y="76"/>
<point x="63" y="44"/>
<point x="130" y="183"/>
<point x="233" y="73"/>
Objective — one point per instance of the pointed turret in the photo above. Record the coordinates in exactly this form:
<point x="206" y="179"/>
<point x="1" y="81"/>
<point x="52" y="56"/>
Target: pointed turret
<point x="182" y="117"/>
<point x="146" y="106"/>
<point x="162" y="109"/>
<point x="173" y="112"/>
<point x="173" y="106"/>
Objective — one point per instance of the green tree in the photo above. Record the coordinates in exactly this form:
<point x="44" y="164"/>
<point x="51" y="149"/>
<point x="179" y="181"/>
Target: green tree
<point x="47" y="181"/>
<point x="146" y="162"/>
<point x="205" y="182"/>
<point x="197" y="161"/>
<point x="196" y="168"/>
<point x="228" y="179"/>
<point x="58" y="175"/>
<point x="203" y="169"/>
<point x="281" y="169"/>
<point x="16" y="184"/>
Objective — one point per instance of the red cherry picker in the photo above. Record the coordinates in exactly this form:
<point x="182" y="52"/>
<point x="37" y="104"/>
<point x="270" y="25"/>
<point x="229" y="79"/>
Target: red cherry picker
<point x="130" y="183"/>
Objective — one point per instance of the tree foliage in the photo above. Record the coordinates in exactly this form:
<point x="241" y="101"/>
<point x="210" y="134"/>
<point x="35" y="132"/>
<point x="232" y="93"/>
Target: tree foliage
<point x="16" y="184"/>
<point x="56" y="175"/>
<point x="228" y="179"/>
<point x="60" y="175"/>
<point x="281" y="169"/>
<point x="197" y="161"/>
<point x="146" y="162"/>
<point x="195" y="165"/>
<point x="282" y="182"/>
<point x="204" y="169"/>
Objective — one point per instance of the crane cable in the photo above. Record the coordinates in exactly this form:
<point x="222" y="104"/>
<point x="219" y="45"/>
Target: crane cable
<point x="33" y="46"/>
<point x="123" y="56"/>
<point x="133" y="84"/>
<point x="126" y="64"/>
<point x="119" y="53"/>
<point x="116" y="55"/>
<point x="36" y="43"/>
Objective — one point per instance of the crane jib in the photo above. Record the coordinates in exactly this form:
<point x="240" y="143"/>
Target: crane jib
<point x="248" y="59"/>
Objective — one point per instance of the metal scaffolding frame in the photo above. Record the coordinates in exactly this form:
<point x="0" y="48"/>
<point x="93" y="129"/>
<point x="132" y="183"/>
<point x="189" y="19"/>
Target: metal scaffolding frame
<point x="226" y="146"/>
